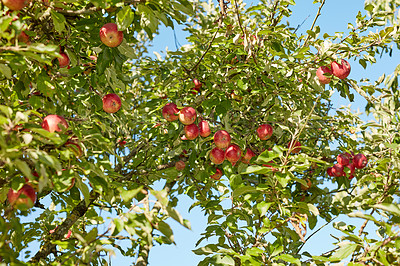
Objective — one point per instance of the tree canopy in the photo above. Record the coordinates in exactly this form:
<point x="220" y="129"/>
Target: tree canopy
<point x="78" y="170"/>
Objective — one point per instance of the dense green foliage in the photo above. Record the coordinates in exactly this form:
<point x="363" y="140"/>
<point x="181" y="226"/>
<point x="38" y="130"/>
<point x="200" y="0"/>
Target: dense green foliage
<point x="254" y="69"/>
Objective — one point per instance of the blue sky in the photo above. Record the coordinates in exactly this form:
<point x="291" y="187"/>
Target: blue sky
<point x="336" y="14"/>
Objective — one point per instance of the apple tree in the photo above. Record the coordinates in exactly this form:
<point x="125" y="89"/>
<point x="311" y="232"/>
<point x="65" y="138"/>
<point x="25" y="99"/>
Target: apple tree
<point x="241" y="120"/>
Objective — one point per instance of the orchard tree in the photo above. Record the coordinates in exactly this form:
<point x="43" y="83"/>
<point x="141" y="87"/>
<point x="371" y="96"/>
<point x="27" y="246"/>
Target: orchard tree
<point x="241" y="120"/>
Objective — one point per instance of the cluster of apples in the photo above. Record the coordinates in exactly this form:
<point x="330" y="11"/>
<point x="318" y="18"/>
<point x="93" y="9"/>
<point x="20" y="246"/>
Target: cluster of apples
<point x="341" y="71"/>
<point x="347" y="160"/>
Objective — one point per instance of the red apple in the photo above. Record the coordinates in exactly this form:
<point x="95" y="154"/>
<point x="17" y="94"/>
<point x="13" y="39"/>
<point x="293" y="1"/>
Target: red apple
<point x="197" y="84"/>
<point x="51" y="122"/>
<point x="321" y="71"/>
<point x="294" y="147"/>
<point x="180" y="165"/>
<point x="63" y="61"/>
<point x="217" y="175"/>
<point x="204" y="128"/>
<point x="352" y="170"/>
<point x="170" y="112"/>
<point x="187" y="115"/>
<point x="329" y="171"/>
<point x="222" y="139"/>
<point x="23" y="37"/>
<point x="22" y="199"/>
<point x="264" y="131"/>
<point x="111" y="103"/>
<point x="343" y="159"/>
<point x="341" y="70"/>
<point x="191" y="131"/>
<point x="217" y="155"/>
<point x="110" y="35"/>
<point x="122" y="143"/>
<point x="248" y="155"/>
<point x="16" y="4"/>
<point x="233" y="153"/>
<point x="338" y="170"/>
<point x="360" y="161"/>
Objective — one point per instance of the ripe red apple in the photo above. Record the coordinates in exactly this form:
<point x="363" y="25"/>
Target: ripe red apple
<point x="248" y="155"/>
<point x="217" y="155"/>
<point x="122" y="143"/>
<point x="222" y="139"/>
<point x="217" y="175"/>
<point x="204" y="128"/>
<point x="338" y="170"/>
<point x="343" y="159"/>
<point x="170" y="112"/>
<point x="110" y="35"/>
<point x="329" y="171"/>
<point x="320" y="74"/>
<point x="352" y="170"/>
<point x="51" y="122"/>
<point x="23" y="37"/>
<point x="294" y="147"/>
<point x="111" y="103"/>
<point x="341" y="70"/>
<point x="197" y="84"/>
<point x="22" y="199"/>
<point x="187" y="115"/>
<point x="360" y="161"/>
<point x="233" y="153"/>
<point x="180" y="165"/>
<point x="191" y="131"/>
<point x="16" y="4"/>
<point x="63" y="61"/>
<point x="264" y="131"/>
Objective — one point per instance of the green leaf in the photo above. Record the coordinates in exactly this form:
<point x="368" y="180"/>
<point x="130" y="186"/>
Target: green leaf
<point x="127" y="50"/>
<point x="166" y="230"/>
<point x="243" y="190"/>
<point x="23" y="167"/>
<point x="343" y="252"/>
<point x="263" y="207"/>
<point x="174" y="214"/>
<point x="128" y="195"/>
<point x="6" y="70"/>
<point x="389" y="207"/>
<point x="125" y="18"/>
<point x="58" y="20"/>
<point x="289" y="258"/>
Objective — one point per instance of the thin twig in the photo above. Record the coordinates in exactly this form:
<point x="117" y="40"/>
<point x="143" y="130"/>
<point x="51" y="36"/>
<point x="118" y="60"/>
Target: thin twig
<point x="315" y="21"/>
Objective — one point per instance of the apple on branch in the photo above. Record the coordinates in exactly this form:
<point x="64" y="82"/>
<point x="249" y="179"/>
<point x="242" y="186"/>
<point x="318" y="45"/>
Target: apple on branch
<point x="341" y="70"/>
<point x="63" y="60"/>
<point x="110" y="35"/>
<point x="170" y="112"/>
<point x="204" y="128"/>
<point x="51" y="123"/>
<point x="180" y="165"/>
<point x="233" y="153"/>
<point x="187" y="115"/>
<point x="191" y="131"/>
<point x="217" y="175"/>
<point x="222" y="139"/>
<point x="111" y="103"/>
<point x="323" y="74"/>
<point x="23" y="199"/>
<point x="217" y="156"/>
<point x="248" y="156"/>
<point x="16" y="4"/>
<point x="264" y="131"/>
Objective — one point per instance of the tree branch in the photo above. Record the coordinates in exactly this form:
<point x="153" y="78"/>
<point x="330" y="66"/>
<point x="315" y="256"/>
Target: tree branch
<point x="79" y="211"/>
